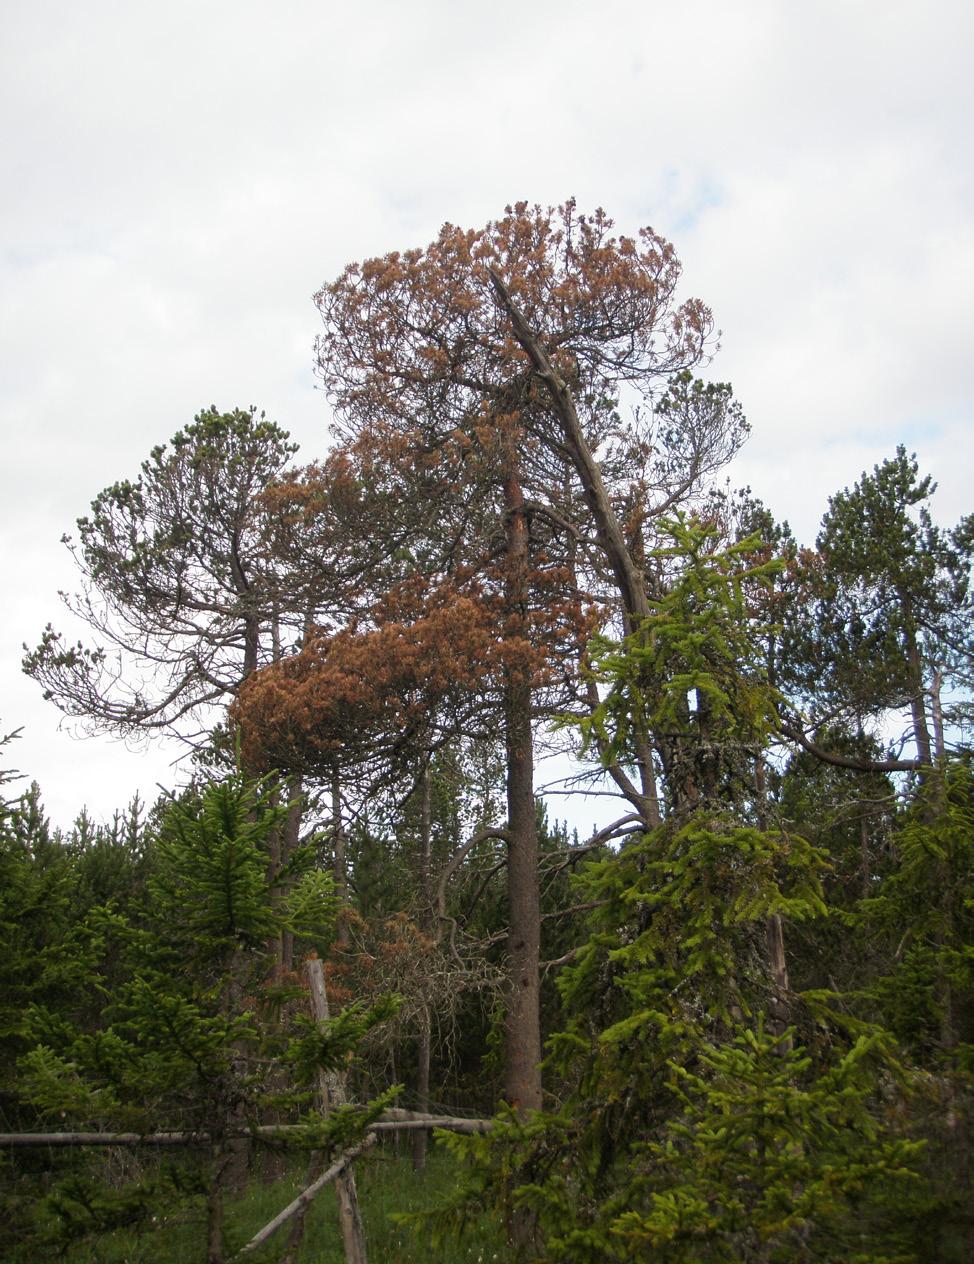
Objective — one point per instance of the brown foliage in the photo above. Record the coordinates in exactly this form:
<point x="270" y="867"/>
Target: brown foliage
<point x="419" y="333"/>
<point x="437" y="394"/>
<point x="437" y="654"/>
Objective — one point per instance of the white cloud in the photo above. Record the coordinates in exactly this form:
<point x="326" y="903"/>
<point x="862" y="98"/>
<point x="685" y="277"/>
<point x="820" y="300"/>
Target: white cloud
<point x="179" y="180"/>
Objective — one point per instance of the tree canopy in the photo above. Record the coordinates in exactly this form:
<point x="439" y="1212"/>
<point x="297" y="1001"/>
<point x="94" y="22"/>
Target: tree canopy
<point x="734" y="1023"/>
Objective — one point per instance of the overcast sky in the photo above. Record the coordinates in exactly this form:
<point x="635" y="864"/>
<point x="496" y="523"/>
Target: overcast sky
<point x="179" y="179"/>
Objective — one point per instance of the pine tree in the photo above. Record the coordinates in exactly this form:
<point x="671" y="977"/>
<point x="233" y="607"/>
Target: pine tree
<point x="191" y="1031"/>
<point x="692" y="1125"/>
<point x="888" y="625"/>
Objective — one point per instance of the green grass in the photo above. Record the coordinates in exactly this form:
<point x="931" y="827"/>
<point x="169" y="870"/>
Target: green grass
<point x="386" y="1186"/>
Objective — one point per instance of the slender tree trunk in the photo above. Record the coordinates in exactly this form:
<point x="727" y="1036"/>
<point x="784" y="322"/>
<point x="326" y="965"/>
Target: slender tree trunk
<point x="284" y="839"/>
<point x="778" y="965"/>
<point x="522" y="1072"/>
<point x="340" y="864"/>
<point x="421" y="1138"/>
<point x="214" y="1213"/>
<point x="629" y="575"/>
<point x="647" y="782"/>
<point x="237" y="1147"/>
<point x="292" y="837"/>
<point x="915" y="667"/>
<point x="865" y="859"/>
<point x="777" y="960"/>
<point x="937" y="713"/>
<point x="523" y="1075"/>
<point x="630" y="582"/>
<point x="331" y="1092"/>
<point x="251" y="645"/>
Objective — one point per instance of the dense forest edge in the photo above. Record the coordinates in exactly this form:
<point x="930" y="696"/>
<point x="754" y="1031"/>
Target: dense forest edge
<point x="355" y="950"/>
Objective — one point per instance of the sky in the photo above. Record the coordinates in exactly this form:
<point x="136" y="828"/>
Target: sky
<point x="179" y="179"/>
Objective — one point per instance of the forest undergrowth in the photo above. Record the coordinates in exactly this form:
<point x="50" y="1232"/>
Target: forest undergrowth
<point x="388" y="1188"/>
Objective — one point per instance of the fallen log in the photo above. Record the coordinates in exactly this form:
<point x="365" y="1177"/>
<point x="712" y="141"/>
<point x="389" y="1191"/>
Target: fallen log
<point x="389" y="1121"/>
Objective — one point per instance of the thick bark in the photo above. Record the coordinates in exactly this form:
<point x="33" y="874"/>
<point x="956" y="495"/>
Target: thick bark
<point x="647" y="782"/>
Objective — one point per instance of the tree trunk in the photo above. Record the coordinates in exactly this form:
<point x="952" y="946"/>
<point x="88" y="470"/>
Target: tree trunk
<point x="251" y="645"/>
<point x="915" y="667"/>
<point x="237" y="1147"/>
<point x="331" y="1092"/>
<point x="630" y="581"/>
<point x="421" y="1138"/>
<point x="778" y="966"/>
<point x="292" y="837"/>
<point x="936" y="710"/>
<point x="283" y="841"/>
<point x="780" y="1006"/>
<point x="522" y="1071"/>
<point x="214" y="1213"/>
<point x="522" y="1074"/>
<point x="340" y="865"/>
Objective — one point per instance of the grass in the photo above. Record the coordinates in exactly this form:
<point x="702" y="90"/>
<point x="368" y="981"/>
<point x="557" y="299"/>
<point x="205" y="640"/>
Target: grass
<point x="386" y="1186"/>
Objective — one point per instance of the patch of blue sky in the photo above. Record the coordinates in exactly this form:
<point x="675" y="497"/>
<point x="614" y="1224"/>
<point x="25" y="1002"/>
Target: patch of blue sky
<point x="685" y="198"/>
<point x="68" y="242"/>
<point x="708" y="197"/>
<point x="913" y="434"/>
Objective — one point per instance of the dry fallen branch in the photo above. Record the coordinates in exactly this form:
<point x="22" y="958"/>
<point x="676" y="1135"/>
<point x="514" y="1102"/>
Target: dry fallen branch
<point x="389" y="1121"/>
<point x="306" y="1196"/>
